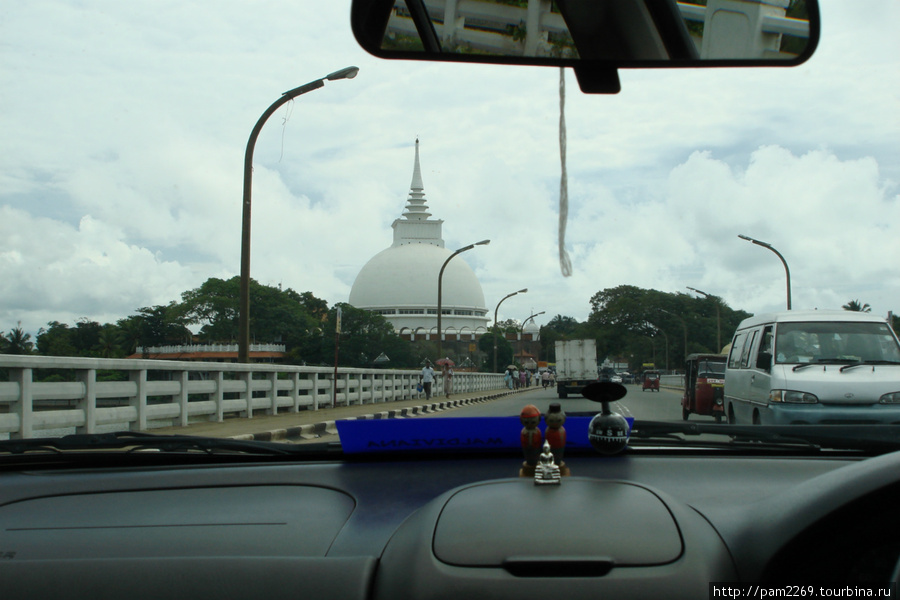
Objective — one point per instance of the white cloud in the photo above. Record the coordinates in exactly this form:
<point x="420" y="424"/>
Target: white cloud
<point x="121" y="164"/>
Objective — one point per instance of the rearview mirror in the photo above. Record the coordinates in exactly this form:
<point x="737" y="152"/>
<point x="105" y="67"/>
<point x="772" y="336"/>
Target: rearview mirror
<point x="592" y="36"/>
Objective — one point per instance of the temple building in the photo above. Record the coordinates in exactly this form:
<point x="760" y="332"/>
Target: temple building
<point x="401" y="282"/>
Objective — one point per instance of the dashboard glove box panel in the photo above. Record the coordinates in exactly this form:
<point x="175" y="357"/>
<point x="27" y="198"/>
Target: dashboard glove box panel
<point x="624" y="523"/>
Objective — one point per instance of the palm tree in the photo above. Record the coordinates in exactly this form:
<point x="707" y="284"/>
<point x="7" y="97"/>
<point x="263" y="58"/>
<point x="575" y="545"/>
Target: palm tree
<point x="855" y="306"/>
<point x="109" y="342"/>
<point x="17" y="341"/>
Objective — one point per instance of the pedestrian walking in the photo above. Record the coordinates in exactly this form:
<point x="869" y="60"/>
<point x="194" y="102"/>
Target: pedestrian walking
<point x="427" y="378"/>
<point x="447" y="372"/>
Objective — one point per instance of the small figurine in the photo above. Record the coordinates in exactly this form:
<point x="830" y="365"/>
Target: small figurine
<point x="556" y="435"/>
<point x="531" y="439"/>
<point x="547" y="472"/>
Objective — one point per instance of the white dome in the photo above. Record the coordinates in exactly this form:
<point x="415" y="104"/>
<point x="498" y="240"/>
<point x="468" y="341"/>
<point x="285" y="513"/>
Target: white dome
<point x="407" y="277"/>
<point x="532" y="327"/>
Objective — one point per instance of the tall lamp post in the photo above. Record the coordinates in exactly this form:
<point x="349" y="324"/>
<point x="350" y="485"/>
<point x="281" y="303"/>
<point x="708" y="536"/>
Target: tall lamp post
<point x="496" y="329"/>
<point x="718" y="316"/>
<point x="440" y="290"/>
<point x="244" y="310"/>
<point x="787" y="271"/>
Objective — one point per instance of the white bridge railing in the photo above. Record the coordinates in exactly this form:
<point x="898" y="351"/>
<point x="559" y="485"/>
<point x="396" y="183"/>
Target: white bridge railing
<point x="60" y="393"/>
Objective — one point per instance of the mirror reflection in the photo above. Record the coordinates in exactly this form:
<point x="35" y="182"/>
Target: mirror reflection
<point x="611" y="30"/>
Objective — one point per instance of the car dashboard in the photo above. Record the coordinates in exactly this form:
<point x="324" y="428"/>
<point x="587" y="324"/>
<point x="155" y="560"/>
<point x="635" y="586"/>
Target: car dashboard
<point x="643" y="524"/>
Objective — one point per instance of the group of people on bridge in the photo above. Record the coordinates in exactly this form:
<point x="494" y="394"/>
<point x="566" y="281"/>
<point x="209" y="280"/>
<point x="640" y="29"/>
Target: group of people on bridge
<point x="516" y="378"/>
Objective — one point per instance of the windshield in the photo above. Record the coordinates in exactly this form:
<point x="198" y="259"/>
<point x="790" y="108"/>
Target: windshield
<point x="230" y="220"/>
<point x="711" y="369"/>
<point x="819" y="342"/>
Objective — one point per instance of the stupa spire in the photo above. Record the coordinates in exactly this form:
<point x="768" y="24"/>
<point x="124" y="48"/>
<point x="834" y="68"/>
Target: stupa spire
<point x="416" y="209"/>
<point x="415" y="227"/>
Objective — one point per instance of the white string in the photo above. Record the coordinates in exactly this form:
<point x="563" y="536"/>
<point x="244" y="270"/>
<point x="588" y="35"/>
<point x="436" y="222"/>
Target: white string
<point x="565" y="264"/>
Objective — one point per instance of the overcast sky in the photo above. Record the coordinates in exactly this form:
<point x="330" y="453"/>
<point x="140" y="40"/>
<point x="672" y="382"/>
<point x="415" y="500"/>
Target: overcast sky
<point x="123" y="127"/>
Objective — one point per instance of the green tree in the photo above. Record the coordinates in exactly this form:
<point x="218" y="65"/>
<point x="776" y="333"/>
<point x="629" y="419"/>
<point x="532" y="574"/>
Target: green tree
<point x="629" y="323"/>
<point x="161" y="325"/>
<point x="130" y="332"/>
<point x="854" y="305"/>
<point x="109" y="342"/>
<point x="364" y="335"/>
<point x="56" y="340"/>
<point x="16" y="341"/>
<point x="276" y="316"/>
<point x="215" y="305"/>
<point x="504" y="350"/>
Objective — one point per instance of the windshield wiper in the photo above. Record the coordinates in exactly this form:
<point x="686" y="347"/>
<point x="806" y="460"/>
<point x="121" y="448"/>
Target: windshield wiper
<point x="863" y="363"/>
<point x="822" y="361"/>
<point x="133" y="441"/>
<point x="835" y="437"/>
<point x="804" y="365"/>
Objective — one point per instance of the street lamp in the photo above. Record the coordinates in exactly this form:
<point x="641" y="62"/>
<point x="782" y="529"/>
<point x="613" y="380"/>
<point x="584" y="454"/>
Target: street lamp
<point x="522" y="291"/>
<point x="440" y="281"/>
<point x="718" y="316"/>
<point x="522" y="329"/>
<point x="787" y="271"/>
<point x="244" y="309"/>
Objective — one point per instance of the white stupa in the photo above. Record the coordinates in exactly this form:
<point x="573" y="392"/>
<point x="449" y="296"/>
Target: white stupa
<point x="401" y="282"/>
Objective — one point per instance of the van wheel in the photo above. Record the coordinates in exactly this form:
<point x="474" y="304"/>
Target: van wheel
<point x="731" y="419"/>
<point x="756" y="419"/>
<point x="685" y="413"/>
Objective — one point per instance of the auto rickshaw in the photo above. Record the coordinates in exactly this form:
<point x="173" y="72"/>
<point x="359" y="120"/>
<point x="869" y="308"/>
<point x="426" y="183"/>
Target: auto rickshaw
<point x="651" y="381"/>
<point x="704" y="386"/>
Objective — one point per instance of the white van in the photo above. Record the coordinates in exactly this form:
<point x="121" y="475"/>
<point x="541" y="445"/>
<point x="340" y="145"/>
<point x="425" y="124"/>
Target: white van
<point x="813" y="366"/>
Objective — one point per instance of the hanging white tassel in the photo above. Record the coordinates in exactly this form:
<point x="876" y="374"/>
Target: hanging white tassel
<point x="565" y="264"/>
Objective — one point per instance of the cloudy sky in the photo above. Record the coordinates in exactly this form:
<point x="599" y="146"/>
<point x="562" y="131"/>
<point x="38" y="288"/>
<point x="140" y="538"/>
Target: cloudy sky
<point x="124" y="126"/>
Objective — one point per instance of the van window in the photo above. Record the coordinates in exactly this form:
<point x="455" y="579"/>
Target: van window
<point x="737" y="346"/>
<point x="745" y="355"/>
<point x="836" y="342"/>
<point x="766" y="344"/>
<point x="768" y="340"/>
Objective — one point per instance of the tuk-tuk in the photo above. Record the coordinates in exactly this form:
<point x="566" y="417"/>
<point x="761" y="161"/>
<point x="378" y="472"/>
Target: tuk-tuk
<point x="651" y="381"/>
<point x="704" y="386"/>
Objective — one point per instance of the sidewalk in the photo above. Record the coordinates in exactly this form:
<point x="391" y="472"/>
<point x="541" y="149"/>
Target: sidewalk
<point x="316" y="424"/>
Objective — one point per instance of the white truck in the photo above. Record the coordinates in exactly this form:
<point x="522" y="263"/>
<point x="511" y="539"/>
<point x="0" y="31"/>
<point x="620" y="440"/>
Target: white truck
<point x="576" y="365"/>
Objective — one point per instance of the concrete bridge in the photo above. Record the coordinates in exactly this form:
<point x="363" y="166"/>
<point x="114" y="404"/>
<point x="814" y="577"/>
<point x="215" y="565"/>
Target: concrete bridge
<point x="45" y="394"/>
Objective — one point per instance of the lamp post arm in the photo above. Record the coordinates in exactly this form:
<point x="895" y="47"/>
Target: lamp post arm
<point x="787" y="271"/>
